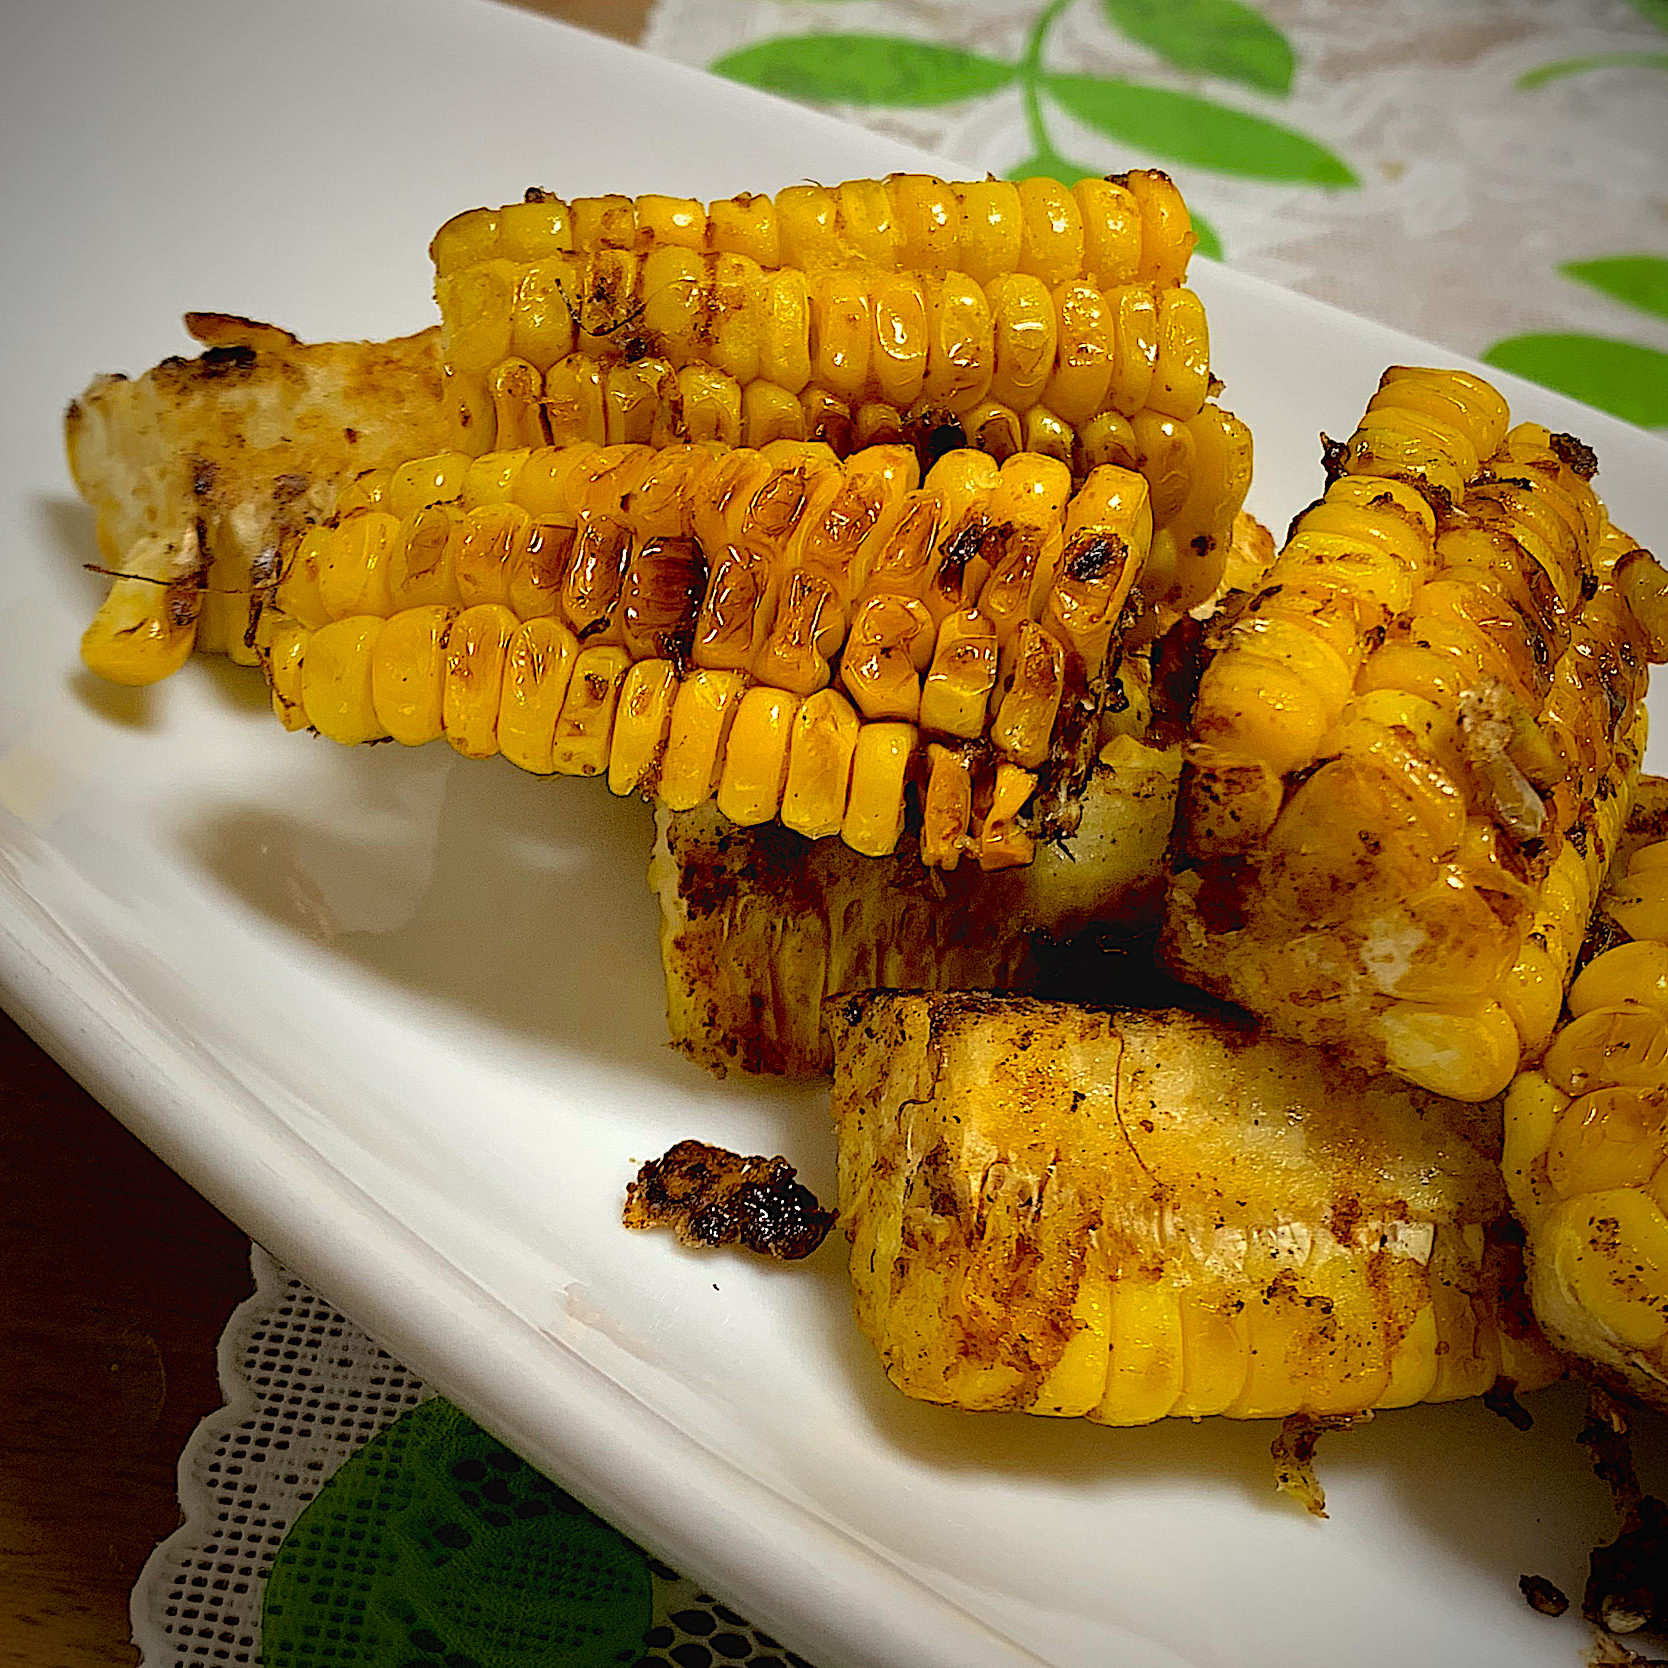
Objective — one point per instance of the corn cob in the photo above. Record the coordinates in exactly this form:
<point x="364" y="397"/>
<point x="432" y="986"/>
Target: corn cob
<point x="1005" y="317"/>
<point x="794" y="636"/>
<point x="1127" y="1216"/>
<point x="1414" y="752"/>
<point x="758" y="926"/>
<point x="1587" y="1147"/>
<point x="200" y="469"/>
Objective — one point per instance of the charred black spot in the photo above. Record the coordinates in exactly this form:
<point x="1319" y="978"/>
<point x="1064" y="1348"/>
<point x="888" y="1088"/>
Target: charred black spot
<point x="226" y="361"/>
<point x="202" y="477"/>
<point x="1578" y="458"/>
<point x="351" y="436"/>
<point x="1333" y="453"/>
<point x="946" y="437"/>
<point x="538" y="194"/>
<point x="287" y="488"/>
<point x="1090" y="558"/>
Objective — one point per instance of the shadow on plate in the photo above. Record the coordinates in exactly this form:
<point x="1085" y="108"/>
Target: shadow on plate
<point x="519" y="901"/>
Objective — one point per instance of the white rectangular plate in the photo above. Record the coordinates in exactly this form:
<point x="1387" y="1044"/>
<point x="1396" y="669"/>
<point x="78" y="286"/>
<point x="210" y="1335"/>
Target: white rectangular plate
<point x="400" y="1015"/>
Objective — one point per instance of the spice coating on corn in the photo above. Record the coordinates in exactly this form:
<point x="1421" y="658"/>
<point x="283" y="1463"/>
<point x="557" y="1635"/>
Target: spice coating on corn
<point x="1587" y="1148"/>
<point x="1414" y="751"/>
<point x="1127" y="1216"/>
<point x="1006" y="316"/>
<point x="779" y="628"/>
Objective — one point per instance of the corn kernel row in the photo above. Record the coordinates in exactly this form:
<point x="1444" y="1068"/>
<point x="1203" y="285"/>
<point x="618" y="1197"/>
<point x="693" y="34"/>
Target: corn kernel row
<point x="930" y="349"/>
<point x="1422" y="736"/>
<point x="1115" y="231"/>
<point x="533" y="692"/>
<point x="1586" y="1155"/>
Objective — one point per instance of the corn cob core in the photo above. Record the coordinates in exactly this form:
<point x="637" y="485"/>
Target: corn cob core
<point x="1005" y="317"/>
<point x="1124" y="1216"/>
<point x="1587" y="1149"/>
<point x="1414" y="752"/>
<point x="798" y="637"/>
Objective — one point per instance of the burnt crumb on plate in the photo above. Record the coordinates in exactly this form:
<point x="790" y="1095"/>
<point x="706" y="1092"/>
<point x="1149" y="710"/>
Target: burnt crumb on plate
<point x="1293" y="1452"/>
<point x="1627" y="1582"/>
<point x="1542" y="1595"/>
<point x="710" y="1196"/>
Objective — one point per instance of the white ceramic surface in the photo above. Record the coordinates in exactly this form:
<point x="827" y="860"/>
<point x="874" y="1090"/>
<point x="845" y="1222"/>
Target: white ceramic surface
<point x="399" y="1014"/>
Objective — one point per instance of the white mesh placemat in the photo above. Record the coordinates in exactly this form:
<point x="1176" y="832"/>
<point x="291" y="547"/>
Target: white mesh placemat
<point x="305" y="1388"/>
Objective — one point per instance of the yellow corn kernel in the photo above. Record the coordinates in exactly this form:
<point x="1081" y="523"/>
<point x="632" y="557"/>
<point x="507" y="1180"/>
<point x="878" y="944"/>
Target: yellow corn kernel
<point x="1082" y="371"/>
<point x="1134" y="347"/>
<point x="1608" y="1138"/>
<point x="1467" y="1051"/>
<point x="1145" y="1378"/>
<point x="819" y="765"/>
<point x="516" y="390"/>
<point x="1636" y="972"/>
<point x="1112" y="233"/>
<point x="642" y="725"/>
<point x="336" y="689"/>
<point x="785" y="332"/>
<point x="926" y="218"/>
<point x="538" y="666"/>
<point x="1215" y="1353"/>
<point x="1025" y="337"/>
<point x="145" y="628"/>
<point x="959" y="685"/>
<point x="284" y="651"/>
<point x="487" y="540"/>
<point x="1610" y="1252"/>
<point x="464" y="240"/>
<point x="880" y="763"/>
<point x="705" y="706"/>
<point x="746" y="225"/>
<point x="476" y="649"/>
<point x="533" y="228"/>
<point x="755" y="768"/>
<point x="1181" y="376"/>
<point x="1033" y="684"/>
<point x="1638" y="904"/>
<point x="1167" y="235"/>
<point x="573" y="401"/>
<point x="1623" y="1046"/>
<point x="408" y="673"/>
<point x="711" y="404"/>
<point x="961" y="351"/>
<point x="991" y="229"/>
<point x="298" y="586"/>
<point x="431" y="480"/>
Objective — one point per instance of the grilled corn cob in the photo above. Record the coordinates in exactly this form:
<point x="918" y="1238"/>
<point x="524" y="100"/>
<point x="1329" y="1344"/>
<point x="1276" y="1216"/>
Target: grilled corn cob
<point x="794" y="636"/>
<point x="201" y="468"/>
<point x="758" y="926"/>
<point x="1005" y="317"/>
<point x="1587" y="1147"/>
<point x="1124" y="1216"/>
<point x="1415" y="750"/>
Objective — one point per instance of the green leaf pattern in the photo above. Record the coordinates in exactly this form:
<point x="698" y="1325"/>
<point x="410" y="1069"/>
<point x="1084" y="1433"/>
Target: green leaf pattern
<point x="1209" y="37"/>
<point x="1225" y="39"/>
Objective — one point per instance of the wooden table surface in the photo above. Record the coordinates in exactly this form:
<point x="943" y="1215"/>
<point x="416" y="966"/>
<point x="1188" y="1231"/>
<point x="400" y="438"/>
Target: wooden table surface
<point x="116" y="1281"/>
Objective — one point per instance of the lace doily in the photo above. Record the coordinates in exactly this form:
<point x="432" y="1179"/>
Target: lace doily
<point x="305" y="1389"/>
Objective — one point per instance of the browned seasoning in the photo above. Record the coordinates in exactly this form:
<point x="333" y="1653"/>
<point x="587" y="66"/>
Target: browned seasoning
<point x="1542" y="1595"/>
<point x="710" y="1196"/>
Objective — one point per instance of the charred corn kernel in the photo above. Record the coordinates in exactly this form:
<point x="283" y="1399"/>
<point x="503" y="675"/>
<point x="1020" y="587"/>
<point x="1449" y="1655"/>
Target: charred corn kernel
<point x="1435" y="711"/>
<point x="1003" y="842"/>
<point x="702" y="713"/>
<point x="824" y="738"/>
<point x="408" y="674"/>
<point x="957" y="691"/>
<point x="642" y="725"/>
<point x="874" y="817"/>
<point x="755" y="767"/>
<point x="336" y="692"/>
<point x="952" y="1110"/>
<point x="1032" y="688"/>
<point x="538" y="667"/>
<point x="585" y="728"/>
<point x="947" y="806"/>
<point x="476" y="650"/>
